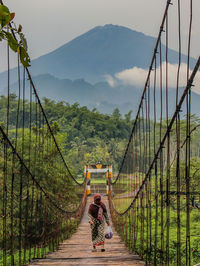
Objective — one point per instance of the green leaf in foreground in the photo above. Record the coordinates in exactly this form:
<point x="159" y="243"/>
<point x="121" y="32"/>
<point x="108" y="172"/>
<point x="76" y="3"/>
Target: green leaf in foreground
<point x="2" y="36"/>
<point x="24" y="57"/>
<point x="23" y="41"/>
<point x="11" y="41"/>
<point x="5" y="15"/>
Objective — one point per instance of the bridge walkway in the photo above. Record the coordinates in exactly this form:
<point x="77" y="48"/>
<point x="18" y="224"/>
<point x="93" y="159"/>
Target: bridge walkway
<point x="77" y="249"/>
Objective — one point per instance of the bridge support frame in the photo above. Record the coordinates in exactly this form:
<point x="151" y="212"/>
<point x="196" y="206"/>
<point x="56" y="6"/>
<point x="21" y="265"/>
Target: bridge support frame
<point x="98" y="168"/>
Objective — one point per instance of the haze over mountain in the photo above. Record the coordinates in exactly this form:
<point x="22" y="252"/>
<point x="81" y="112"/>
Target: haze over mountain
<point x="91" y="58"/>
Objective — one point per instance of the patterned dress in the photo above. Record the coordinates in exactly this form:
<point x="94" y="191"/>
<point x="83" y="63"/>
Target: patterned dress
<point x="97" y="228"/>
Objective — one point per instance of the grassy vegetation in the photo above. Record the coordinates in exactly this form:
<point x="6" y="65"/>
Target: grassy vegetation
<point x="40" y="251"/>
<point x="29" y="254"/>
<point x="94" y="181"/>
<point x="145" y="221"/>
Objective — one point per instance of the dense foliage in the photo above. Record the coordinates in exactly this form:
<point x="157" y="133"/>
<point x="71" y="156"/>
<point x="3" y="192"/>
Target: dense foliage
<point x="9" y="32"/>
<point x="91" y="137"/>
<point x="88" y="136"/>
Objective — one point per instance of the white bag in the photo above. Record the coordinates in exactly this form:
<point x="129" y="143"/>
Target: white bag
<point x="109" y="233"/>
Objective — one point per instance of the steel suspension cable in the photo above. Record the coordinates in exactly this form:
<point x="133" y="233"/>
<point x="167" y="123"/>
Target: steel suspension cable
<point x="147" y="80"/>
<point x="189" y="85"/>
<point x="188" y="142"/>
<point x="46" y="120"/>
<point x="33" y="178"/>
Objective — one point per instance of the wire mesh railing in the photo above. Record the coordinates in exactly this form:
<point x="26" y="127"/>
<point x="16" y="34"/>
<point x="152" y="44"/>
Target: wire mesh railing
<point x="41" y="200"/>
<point x="156" y="193"/>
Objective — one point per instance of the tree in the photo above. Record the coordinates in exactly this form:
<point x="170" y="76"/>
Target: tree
<point x="116" y="114"/>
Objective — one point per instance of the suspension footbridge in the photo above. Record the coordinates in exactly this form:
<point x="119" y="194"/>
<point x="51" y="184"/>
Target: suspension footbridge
<point x="154" y="197"/>
<point x="77" y="249"/>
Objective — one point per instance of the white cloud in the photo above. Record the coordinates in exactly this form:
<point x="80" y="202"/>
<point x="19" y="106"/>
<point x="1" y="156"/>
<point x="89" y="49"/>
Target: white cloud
<point x="134" y="76"/>
<point x="137" y="76"/>
<point x="111" y="81"/>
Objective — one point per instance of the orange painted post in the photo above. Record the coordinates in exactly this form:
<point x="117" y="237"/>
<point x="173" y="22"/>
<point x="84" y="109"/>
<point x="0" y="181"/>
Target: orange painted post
<point x="88" y="182"/>
<point x="85" y="169"/>
<point x="107" y="183"/>
<point x="110" y="176"/>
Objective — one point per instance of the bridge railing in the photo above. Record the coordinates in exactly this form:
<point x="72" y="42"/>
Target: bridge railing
<point x="41" y="201"/>
<point x="155" y="198"/>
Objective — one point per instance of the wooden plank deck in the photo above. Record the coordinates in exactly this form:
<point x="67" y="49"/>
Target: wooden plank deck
<point x="77" y="249"/>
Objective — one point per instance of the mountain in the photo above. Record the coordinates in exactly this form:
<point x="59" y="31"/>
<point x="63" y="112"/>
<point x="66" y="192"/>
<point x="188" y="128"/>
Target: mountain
<point x="101" y="95"/>
<point x="101" y="51"/>
<point x="98" y="52"/>
<point x="76" y="71"/>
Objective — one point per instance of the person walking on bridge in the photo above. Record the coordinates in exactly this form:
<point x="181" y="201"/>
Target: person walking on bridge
<point x="98" y="215"/>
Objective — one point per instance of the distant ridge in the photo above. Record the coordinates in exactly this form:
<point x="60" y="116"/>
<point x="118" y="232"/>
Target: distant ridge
<point x="100" y="95"/>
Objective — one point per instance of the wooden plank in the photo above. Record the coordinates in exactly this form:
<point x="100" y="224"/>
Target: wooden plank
<point x="78" y="249"/>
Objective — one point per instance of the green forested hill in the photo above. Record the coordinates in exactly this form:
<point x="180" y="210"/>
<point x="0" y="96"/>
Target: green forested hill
<point x="87" y="136"/>
<point x="90" y="136"/>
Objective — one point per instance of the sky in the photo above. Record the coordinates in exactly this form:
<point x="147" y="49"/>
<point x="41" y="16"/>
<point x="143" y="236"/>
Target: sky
<point x="48" y="24"/>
